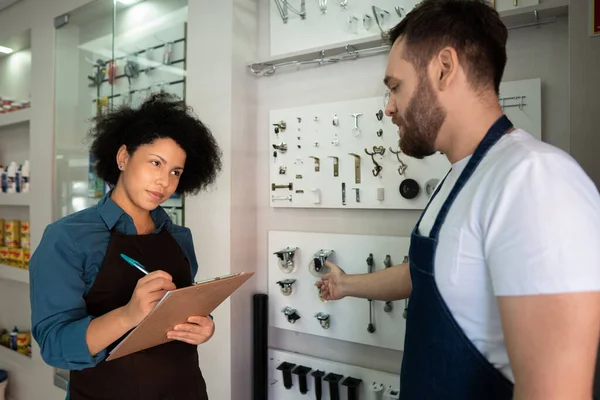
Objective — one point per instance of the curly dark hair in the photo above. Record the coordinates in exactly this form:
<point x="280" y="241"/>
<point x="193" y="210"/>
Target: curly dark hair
<point x="161" y="116"/>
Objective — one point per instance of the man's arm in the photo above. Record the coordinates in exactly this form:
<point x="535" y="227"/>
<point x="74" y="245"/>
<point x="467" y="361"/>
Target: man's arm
<point x="552" y="343"/>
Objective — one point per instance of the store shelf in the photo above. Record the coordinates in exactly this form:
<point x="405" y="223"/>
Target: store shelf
<point x="14" y="199"/>
<point x="13" y="358"/>
<point x="14" y="274"/>
<point x="521" y="17"/>
<point x="15" y="117"/>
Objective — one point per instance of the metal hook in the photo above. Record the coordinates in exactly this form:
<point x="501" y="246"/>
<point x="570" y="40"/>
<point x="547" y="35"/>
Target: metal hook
<point x="402" y="166"/>
<point x="380" y="13"/>
<point x="376" y="150"/>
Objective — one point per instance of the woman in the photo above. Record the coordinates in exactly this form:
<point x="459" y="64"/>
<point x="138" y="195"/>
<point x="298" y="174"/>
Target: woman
<point x="85" y="298"/>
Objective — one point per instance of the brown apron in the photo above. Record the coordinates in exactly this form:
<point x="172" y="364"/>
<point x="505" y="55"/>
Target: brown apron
<point x="166" y="372"/>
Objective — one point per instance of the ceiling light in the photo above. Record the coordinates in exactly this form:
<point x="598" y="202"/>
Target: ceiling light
<point x="127" y="2"/>
<point x="5" y="50"/>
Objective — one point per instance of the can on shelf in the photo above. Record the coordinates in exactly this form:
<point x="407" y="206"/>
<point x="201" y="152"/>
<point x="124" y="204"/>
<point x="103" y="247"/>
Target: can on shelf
<point x="12" y="233"/>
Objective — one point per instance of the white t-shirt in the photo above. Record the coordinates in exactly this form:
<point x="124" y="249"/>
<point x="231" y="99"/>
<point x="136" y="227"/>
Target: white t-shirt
<point x="527" y="222"/>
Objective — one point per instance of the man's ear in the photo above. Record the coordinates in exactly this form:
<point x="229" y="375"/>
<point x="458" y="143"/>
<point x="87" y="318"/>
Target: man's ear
<point x="445" y="65"/>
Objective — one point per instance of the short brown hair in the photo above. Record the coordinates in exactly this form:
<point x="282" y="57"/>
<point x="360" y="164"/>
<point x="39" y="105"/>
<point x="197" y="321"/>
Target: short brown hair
<point x="471" y="27"/>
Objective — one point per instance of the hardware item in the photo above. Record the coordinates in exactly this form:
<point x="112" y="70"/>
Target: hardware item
<point x="275" y="156"/>
<point x="403" y="166"/>
<point x="298" y="161"/>
<point x="291" y="314"/>
<point x="344" y="4"/>
<point x="286" y="286"/>
<point x="300" y="191"/>
<point x="380" y="16"/>
<point x="299" y="121"/>
<point x="317" y="163"/>
<point x="316" y="196"/>
<point x="321" y="296"/>
<point x="399" y="11"/>
<point x="286" y="370"/>
<point x="352" y="384"/>
<point x="343" y="193"/>
<point x="286" y="259"/>
<point x="282" y="169"/>
<point x="357" y="194"/>
<point x="391" y="394"/>
<point x="335" y="140"/>
<point x="302" y="371"/>
<point x="356" y="129"/>
<point x="370" y="267"/>
<point x="323" y="6"/>
<point x="289" y="186"/>
<point x="323" y="320"/>
<point x="333" y="380"/>
<point x="515" y="3"/>
<point x="336" y="120"/>
<point x="318" y="375"/>
<point x="380" y="133"/>
<point x="298" y="176"/>
<point x="280" y="127"/>
<point x="379" y="115"/>
<point x="409" y="189"/>
<point x="353" y="24"/>
<point x="168" y="52"/>
<point x="317" y="264"/>
<point x="316" y="144"/>
<point x="277" y="198"/>
<point x="367" y="22"/>
<point x="378" y="389"/>
<point x="380" y="194"/>
<point x="284" y="5"/>
<point x="356" y="167"/>
<point x="430" y="186"/>
<point x="335" y="165"/>
<point x="389" y="306"/>
<point x="281" y="147"/>
<point x="316" y="118"/>
<point x="376" y="150"/>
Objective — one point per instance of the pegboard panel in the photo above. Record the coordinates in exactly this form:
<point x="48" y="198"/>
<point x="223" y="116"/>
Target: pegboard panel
<point x="348" y="318"/>
<point x="310" y="132"/>
<point x="375" y="385"/>
<point x="332" y="26"/>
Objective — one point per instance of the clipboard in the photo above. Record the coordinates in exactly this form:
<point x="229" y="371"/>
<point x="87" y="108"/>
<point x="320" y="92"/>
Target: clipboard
<point x="175" y="308"/>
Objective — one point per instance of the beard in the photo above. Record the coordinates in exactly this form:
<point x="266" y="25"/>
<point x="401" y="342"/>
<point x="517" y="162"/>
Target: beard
<point x="422" y="122"/>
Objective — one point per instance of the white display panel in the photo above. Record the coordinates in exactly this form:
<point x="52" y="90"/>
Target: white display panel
<point x="320" y="29"/>
<point x="310" y="134"/>
<point x="375" y="385"/>
<point x="349" y="317"/>
<point x="322" y="189"/>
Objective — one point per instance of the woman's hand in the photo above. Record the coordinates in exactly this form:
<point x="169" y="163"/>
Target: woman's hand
<point x="149" y="290"/>
<point x="196" y="331"/>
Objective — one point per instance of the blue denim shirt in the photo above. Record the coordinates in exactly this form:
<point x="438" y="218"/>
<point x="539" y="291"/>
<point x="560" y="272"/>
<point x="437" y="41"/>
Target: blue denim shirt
<point x="63" y="268"/>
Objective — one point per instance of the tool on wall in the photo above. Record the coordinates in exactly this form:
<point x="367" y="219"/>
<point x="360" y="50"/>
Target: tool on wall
<point x="335" y="165"/>
<point x="317" y="163"/>
<point x="380" y="150"/>
<point x="370" y="266"/>
<point x="289" y="186"/>
<point x="286" y="259"/>
<point x="317" y="264"/>
<point x="286" y="370"/>
<point x="318" y="375"/>
<point x="334" y="381"/>
<point x="352" y="384"/>
<point x="403" y="166"/>
<point x="343" y="193"/>
<point x="291" y="314"/>
<point x="387" y="262"/>
<point x="302" y="371"/>
<point x="356" y="129"/>
<point x="356" y="167"/>
<point x="286" y="286"/>
<point x="323" y="319"/>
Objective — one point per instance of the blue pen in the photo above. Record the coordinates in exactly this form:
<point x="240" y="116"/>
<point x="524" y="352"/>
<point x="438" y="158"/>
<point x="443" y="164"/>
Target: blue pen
<point x="134" y="263"/>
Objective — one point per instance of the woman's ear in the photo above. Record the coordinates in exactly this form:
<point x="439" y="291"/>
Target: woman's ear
<point x="122" y="157"/>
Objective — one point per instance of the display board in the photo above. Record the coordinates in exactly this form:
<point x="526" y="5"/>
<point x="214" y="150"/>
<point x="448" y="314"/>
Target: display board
<point x="293" y="370"/>
<point x="346" y="154"/>
<point x="297" y="305"/>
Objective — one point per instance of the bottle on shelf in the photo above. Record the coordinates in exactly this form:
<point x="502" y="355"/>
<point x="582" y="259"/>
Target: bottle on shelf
<point x="11" y="178"/>
<point x="23" y="181"/>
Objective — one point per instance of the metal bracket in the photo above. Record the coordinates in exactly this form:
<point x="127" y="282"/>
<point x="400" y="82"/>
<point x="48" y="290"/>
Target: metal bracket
<point x="356" y="167"/>
<point x="317" y="163"/>
<point x="335" y="165"/>
<point x="284" y="5"/>
<point x="286" y="286"/>
<point x="281" y="147"/>
<point x="280" y="127"/>
<point x="286" y="259"/>
<point x="356" y="129"/>
<point x="323" y="320"/>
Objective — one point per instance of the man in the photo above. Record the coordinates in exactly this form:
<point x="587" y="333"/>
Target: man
<point x="504" y="273"/>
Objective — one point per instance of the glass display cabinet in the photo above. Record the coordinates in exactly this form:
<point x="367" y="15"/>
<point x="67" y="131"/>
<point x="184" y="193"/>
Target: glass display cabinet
<point x="110" y="53"/>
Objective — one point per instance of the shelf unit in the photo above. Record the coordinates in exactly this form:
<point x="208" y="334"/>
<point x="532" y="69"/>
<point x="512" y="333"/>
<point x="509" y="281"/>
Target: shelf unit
<point x="14" y="274"/>
<point x="13" y="358"/>
<point x="14" y="199"/>
<point x="522" y="17"/>
<point x="15" y="117"/>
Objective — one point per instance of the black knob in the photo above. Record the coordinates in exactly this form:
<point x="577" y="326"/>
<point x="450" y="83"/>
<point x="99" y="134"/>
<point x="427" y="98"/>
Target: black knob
<point x="409" y="189"/>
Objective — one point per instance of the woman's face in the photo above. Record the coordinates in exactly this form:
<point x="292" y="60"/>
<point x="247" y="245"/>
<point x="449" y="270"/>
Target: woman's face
<point x="151" y="174"/>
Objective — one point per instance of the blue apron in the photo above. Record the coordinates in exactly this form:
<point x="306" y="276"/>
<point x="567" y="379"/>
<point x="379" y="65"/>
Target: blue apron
<point x="439" y="361"/>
